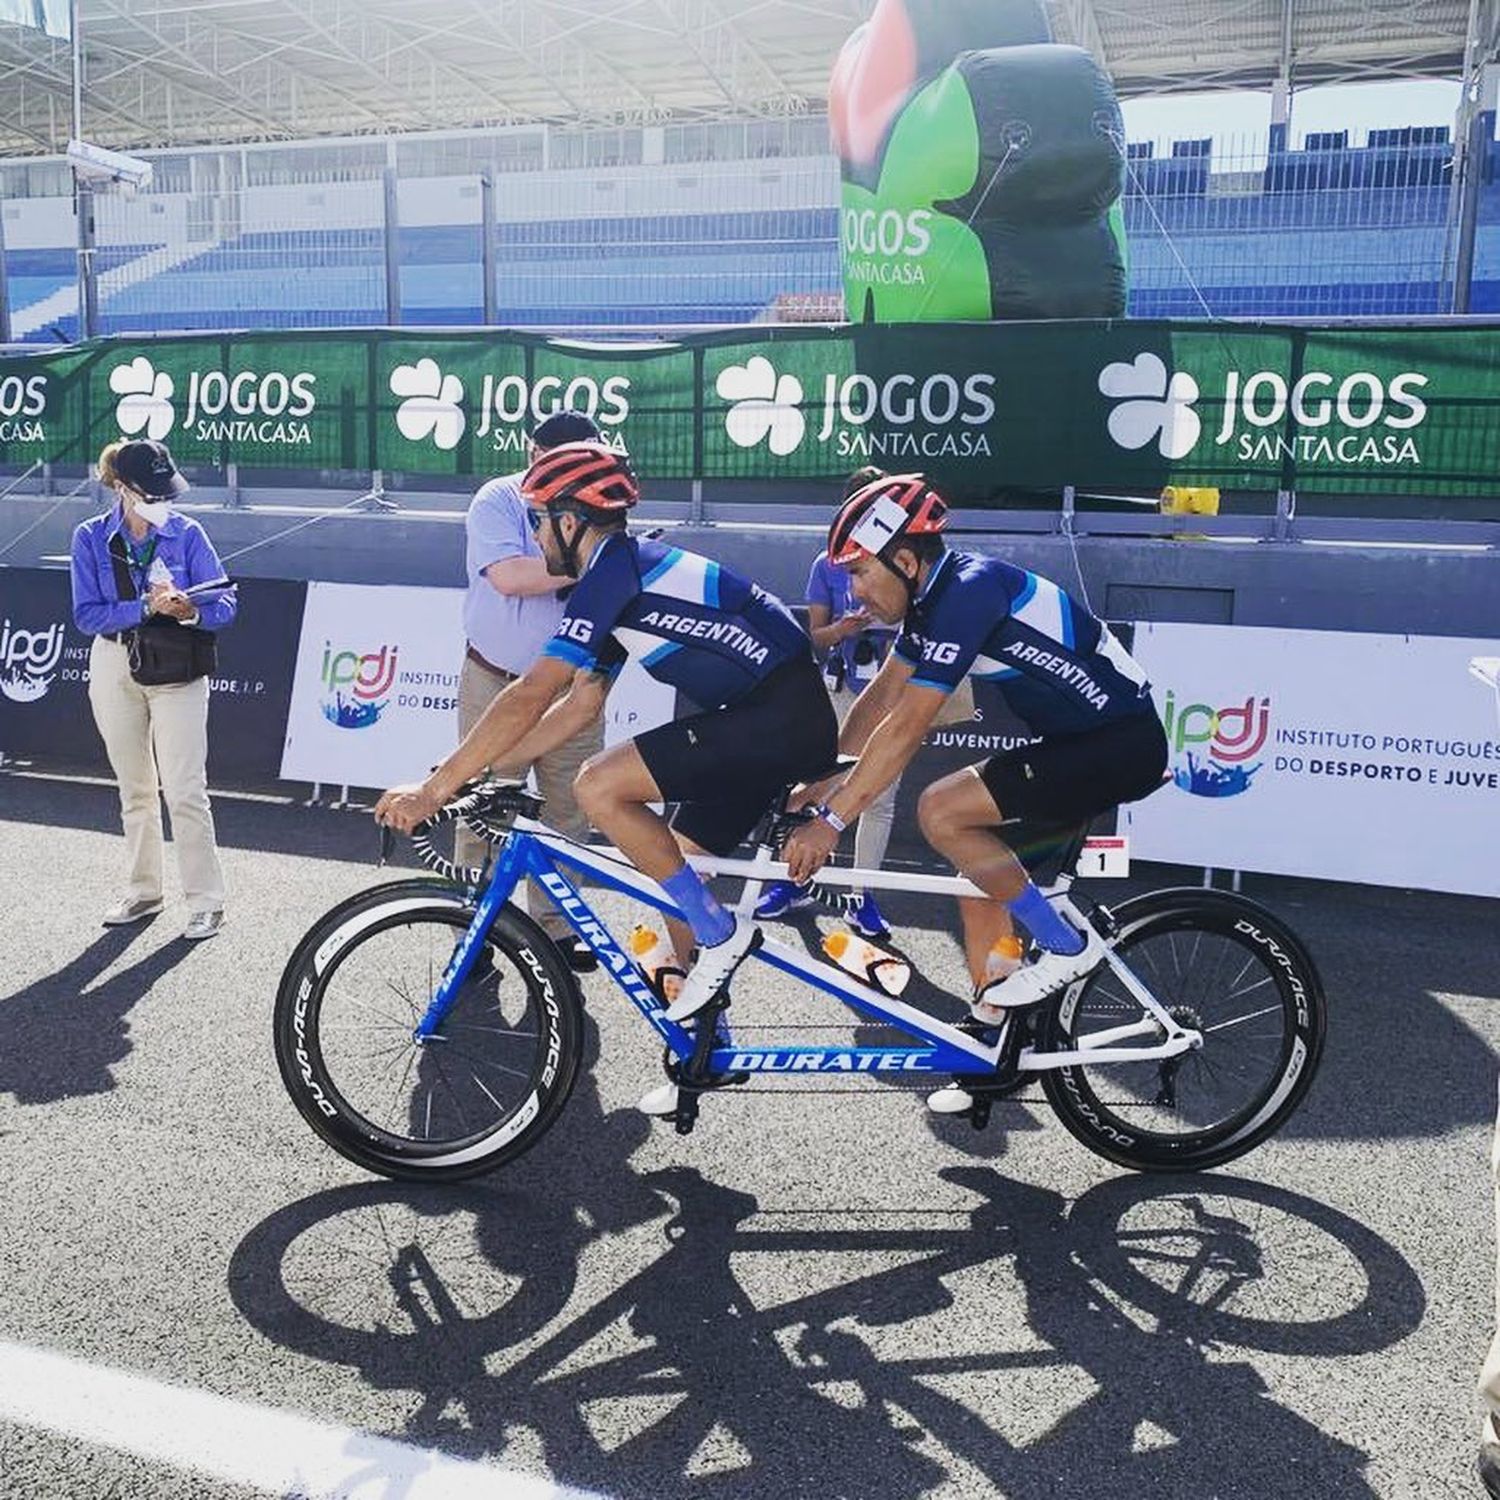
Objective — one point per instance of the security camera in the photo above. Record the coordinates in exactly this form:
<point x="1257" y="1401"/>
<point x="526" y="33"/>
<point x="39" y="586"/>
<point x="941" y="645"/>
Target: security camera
<point x="104" y="168"/>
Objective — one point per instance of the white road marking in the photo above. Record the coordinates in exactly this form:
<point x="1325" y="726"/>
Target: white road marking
<point x="240" y="1443"/>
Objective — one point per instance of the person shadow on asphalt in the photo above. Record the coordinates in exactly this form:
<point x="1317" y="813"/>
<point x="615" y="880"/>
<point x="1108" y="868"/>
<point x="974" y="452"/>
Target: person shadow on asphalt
<point x="61" y="1035"/>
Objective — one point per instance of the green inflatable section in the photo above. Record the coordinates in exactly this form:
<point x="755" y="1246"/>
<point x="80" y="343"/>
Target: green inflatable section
<point x="982" y="168"/>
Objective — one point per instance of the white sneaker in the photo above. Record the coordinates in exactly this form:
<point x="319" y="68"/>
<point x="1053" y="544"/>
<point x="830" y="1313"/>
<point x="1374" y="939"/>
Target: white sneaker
<point x="660" y="1102"/>
<point x="713" y="970"/>
<point x="951" y="1100"/>
<point x="123" y="913"/>
<point x="1050" y="973"/>
<point x="203" y="924"/>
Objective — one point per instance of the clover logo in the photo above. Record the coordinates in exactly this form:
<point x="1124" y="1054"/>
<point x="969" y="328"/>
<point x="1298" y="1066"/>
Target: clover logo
<point x="145" y="398"/>
<point x="765" y="406"/>
<point x="431" y="405"/>
<point x="1152" y="406"/>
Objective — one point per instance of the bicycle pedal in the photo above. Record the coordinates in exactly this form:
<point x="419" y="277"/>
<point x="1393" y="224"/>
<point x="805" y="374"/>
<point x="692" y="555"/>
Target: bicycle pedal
<point x="979" y="1114"/>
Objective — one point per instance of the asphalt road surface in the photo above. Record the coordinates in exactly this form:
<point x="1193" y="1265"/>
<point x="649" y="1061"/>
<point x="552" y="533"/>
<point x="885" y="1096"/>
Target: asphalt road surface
<point x="815" y="1294"/>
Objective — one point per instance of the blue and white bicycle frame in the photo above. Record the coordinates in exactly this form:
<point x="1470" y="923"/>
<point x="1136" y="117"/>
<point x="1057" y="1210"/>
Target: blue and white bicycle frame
<point x="535" y="851"/>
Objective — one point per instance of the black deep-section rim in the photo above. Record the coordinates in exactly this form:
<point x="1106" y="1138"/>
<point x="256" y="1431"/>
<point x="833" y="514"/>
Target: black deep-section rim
<point x="1198" y="1146"/>
<point x="350" y="1121"/>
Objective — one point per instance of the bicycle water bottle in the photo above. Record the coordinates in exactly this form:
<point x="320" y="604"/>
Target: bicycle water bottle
<point x="657" y="961"/>
<point x="877" y="968"/>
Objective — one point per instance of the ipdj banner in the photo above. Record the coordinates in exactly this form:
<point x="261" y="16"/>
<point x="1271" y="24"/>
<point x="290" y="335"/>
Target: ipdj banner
<point x="375" y="700"/>
<point x="1122" y="405"/>
<point x="44" y="672"/>
<point x="1372" y="758"/>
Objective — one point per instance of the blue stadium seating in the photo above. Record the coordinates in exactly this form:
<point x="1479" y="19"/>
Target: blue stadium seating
<point x="1325" y="231"/>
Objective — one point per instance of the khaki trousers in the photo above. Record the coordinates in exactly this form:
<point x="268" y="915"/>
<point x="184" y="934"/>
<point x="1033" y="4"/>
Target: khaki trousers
<point x="158" y="735"/>
<point x="478" y="686"/>
<point x="872" y="834"/>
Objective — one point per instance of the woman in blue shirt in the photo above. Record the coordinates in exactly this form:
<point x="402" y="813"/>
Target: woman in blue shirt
<point x="155" y="732"/>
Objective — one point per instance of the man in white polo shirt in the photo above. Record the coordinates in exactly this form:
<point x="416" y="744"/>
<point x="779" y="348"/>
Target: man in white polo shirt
<point x="510" y="612"/>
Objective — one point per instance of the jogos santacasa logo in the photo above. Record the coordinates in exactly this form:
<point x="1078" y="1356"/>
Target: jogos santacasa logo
<point x="937" y="415"/>
<point x="356" y="685"/>
<point x="1230" y="736"/>
<point x="246" y="407"/>
<point x="434" y="406"/>
<point x="28" y="661"/>
<point x="1357" y="418"/>
<point x="23" y="402"/>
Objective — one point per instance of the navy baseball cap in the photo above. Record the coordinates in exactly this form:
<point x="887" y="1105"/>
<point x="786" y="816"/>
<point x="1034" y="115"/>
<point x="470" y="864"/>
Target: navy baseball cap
<point x="148" y="469"/>
<point x="565" y="427"/>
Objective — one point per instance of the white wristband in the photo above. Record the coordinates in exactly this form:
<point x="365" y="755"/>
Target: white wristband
<point x="831" y="818"/>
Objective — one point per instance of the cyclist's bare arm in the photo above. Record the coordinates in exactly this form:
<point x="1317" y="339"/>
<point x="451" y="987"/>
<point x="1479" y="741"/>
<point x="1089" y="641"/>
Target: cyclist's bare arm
<point x="515" y="711"/>
<point x="869" y="709"/>
<point x="872" y="705"/>
<point x="887" y="751"/>
<point x="569" y="715"/>
<point x="890" y="746"/>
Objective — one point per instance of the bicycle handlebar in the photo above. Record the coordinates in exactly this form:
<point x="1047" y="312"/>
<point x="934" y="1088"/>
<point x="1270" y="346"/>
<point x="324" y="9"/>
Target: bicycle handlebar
<point x="488" y="808"/>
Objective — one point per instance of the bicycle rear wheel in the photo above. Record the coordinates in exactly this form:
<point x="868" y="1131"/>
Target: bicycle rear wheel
<point x="481" y="1091"/>
<point x="1220" y="965"/>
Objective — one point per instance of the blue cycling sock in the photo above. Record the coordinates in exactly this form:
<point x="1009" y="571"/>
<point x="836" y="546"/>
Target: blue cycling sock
<point x="1043" y="923"/>
<point x="711" y="924"/>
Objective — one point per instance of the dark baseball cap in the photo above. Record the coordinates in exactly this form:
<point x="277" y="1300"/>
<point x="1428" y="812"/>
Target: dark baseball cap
<point x="147" y="468"/>
<point x="565" y="427"/>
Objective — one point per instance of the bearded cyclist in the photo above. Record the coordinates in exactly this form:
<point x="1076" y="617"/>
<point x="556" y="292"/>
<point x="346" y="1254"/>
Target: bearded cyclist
<point x="763" y="720"/>
<point x="1098" y="741"/>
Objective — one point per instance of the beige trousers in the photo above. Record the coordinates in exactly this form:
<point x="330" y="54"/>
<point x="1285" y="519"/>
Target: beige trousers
<point x="872" y="834"/>
<point x="158" y="735"/>
<point x="478" y="686"/>
<point x="1489" y="1378"/>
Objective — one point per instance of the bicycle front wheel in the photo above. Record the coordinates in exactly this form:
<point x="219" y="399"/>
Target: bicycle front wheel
<point x="477" y="1094"/>
<point x="1222" y="966"/>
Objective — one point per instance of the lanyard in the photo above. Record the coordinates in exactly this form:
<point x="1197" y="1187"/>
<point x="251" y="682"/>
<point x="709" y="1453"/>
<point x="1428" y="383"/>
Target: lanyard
<point x="140" y="562"/>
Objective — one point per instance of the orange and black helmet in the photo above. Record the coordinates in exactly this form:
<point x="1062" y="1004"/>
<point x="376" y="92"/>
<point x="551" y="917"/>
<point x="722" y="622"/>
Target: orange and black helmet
<point x="873" y="519"/>
<point x="581" y="477"/>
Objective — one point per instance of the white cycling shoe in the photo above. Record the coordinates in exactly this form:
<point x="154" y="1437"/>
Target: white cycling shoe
<point x="660" y="1103"/>
<point x="713" y="970"/>
<point x="1050" y="973"/>
<point x="951" y="1100"/>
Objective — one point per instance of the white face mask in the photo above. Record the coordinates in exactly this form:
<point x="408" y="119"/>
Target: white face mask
<point x="153" y="512"/>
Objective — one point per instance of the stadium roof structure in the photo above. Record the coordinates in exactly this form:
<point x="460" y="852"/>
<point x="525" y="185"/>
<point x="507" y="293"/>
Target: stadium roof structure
<point x="161" y="73"/>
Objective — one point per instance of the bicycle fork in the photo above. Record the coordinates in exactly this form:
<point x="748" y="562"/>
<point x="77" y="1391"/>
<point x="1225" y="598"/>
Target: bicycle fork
<point x="507" y="875"/>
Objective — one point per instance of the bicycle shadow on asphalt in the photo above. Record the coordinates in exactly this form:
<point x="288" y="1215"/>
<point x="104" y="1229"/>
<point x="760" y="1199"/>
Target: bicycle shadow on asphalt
<point x="62" y="1035"/>
<point x="1036" y="1347"/>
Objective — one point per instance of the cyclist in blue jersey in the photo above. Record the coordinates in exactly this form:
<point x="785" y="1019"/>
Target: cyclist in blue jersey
<point x="763" y="718"/>
<point x="1098" y="740"/>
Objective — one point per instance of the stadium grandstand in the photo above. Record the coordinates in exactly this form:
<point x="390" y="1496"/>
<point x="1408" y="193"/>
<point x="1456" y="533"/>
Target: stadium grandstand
<point x="641" y="165"/>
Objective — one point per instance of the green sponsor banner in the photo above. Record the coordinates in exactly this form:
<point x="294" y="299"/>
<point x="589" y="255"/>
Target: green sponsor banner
<point x="464" y="405"/>
<point x="1124" y="406"/>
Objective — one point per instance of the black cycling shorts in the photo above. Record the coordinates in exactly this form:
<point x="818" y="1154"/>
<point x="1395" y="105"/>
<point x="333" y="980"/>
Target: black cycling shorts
<point x="1072" y="778"/>
<point x="726" y="766"/>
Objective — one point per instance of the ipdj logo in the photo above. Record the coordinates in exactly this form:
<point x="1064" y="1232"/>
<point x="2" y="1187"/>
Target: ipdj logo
<point x="357" y="685"/>
<point x="28" y="661"/>
<point x="901" y="416"/>
<point x="1232" y="735"/>
<point x="433" y="405"/>
<point x="1359" y="418"/>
